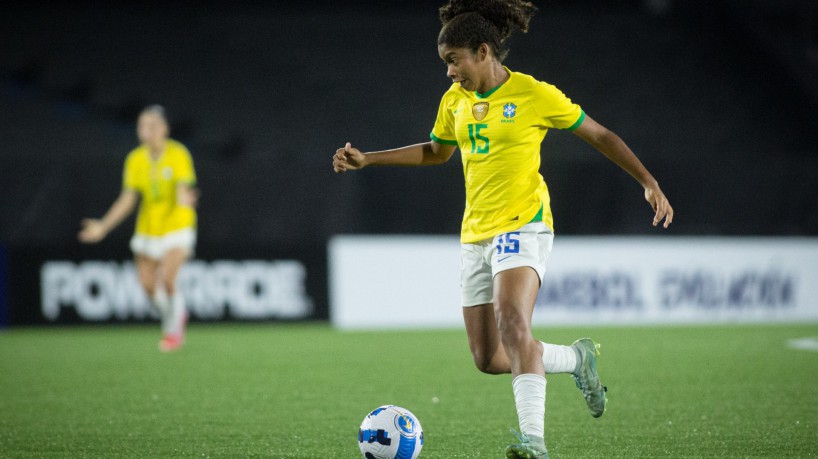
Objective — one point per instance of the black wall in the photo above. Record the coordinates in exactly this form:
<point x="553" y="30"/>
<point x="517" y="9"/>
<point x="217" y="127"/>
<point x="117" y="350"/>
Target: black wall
<point x="263" y="96"/>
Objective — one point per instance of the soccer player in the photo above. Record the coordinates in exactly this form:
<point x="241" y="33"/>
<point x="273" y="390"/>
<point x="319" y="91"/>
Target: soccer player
<point x="498" y="119"/>
<point x="160" y="171"/>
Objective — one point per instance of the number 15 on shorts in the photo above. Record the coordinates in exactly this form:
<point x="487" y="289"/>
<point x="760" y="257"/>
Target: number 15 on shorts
<point x="508" y="243"/>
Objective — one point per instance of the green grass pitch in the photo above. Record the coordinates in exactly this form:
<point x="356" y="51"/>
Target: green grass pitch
<point x="300" y="391"/>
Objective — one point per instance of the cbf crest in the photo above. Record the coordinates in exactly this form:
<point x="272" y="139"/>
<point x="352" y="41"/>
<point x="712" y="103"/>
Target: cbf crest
<point x="509" y="110"/>
<point x="480" y="110"/>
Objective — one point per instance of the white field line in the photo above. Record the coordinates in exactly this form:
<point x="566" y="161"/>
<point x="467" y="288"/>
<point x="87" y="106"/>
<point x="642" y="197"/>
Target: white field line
<point x="805" y="344"/>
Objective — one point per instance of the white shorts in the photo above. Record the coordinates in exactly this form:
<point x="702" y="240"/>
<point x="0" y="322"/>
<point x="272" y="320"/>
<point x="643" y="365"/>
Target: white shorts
<point x="481" y="261"/>
<point x="157" y="246"/>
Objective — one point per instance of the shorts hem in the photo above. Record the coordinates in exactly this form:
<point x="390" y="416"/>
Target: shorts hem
<point x="156" y="247"/>
<point x="480" y="303"/>
<point x="523" y="264"/>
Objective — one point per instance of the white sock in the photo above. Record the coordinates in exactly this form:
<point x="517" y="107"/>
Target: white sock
<point x="529" y="395"/>
<point x="177" y="316"/>
<point x="162" y="304"/>
<point x="558" y="359"/>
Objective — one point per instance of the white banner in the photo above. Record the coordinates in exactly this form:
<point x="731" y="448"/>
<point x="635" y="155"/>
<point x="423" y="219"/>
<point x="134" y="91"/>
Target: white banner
<point x="402" y="281"/>
<point x="107" y="290"/>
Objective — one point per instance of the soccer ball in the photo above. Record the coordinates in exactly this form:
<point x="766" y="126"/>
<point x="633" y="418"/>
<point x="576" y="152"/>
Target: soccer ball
<point x="390" y="432"/>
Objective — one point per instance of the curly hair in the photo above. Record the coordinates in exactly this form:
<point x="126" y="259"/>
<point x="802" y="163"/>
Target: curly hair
<point x="469" y="23"/>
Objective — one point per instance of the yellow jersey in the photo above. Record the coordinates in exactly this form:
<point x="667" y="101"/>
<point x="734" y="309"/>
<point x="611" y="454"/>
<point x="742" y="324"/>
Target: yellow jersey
<point x="499" y="135"/>
<point x="156" y="181"/>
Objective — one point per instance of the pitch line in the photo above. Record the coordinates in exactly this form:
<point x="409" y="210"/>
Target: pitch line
<point x="804" y="344"/>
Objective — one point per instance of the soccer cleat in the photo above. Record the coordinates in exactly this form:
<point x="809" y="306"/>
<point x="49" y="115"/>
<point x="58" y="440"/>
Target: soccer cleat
<point x="174" y="341"/>
<point x="171" y="342"/>
<point x="587" y="378"/>
<point x="529" y="447"/>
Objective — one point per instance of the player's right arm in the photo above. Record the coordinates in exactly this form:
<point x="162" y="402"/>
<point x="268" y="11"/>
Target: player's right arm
<point x="421" y="154"/>
<point x="94" y="230"/>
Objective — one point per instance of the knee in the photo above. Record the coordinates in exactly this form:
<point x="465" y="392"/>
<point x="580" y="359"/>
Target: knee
<point x="483" y="360"/>
<point x="149" y="287"/>
<point x="514" y="328"/>
<point x="148" y="283"/>
<point x="169" y="284"/>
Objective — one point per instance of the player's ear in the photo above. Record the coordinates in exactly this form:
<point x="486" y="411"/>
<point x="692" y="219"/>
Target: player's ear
<point x="483" y="51"/>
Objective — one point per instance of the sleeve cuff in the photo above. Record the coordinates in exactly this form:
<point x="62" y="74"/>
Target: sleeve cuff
<point x="577" y="124"/>
<point x="442" y="141"/>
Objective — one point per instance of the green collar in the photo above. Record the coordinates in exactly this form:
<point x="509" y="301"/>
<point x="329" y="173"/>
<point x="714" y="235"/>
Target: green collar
<point x="494" y="89"/>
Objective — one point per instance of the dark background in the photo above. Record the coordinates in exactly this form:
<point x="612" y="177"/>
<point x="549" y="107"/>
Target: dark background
<point x="719" y="99"/>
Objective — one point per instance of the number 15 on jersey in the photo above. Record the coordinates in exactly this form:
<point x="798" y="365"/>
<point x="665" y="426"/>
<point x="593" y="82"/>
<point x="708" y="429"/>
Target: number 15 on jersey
<point x="479" y="142"/>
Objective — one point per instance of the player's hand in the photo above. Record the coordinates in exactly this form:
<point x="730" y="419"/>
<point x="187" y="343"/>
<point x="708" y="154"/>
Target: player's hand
<point x="348" y="159"/>
<point x="659" y="203"/>
<point x="187" y="196"/>
<point x="92" y="231"/>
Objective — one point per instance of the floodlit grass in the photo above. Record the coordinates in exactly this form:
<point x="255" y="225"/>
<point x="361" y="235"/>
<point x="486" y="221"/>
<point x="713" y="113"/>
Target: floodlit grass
<point x="300" y="391"/>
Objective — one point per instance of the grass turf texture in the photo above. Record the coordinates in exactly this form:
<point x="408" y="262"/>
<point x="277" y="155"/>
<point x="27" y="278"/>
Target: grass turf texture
<point x="299" y="391"/>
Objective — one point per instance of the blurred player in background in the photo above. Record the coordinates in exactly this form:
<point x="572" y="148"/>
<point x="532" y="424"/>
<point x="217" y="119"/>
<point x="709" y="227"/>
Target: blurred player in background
<point x="498" y="118"/>
<point x="160" y="172"/>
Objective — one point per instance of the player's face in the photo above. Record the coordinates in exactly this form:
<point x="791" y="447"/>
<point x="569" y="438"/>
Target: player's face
<point x="463" y="66"/>
<point x="151" y="129"/>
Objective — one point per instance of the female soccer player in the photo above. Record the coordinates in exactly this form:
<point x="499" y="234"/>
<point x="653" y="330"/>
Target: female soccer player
<point x="498" y="118"/>
<point x="159" y="170"/>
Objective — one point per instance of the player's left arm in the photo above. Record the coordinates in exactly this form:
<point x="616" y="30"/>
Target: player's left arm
<point x="610" y="145"/>
<point x="187" y="195"/>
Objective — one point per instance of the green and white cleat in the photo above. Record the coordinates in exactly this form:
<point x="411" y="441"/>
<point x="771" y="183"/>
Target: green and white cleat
<point x="529" y="447"/>
<point x="587" y="378"/>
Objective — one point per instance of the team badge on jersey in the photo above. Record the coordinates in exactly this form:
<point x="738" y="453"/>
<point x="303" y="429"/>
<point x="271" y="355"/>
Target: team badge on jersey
<point x="167" y="173"/>
<point x="509" y="110"/>
<point x="480" y="110"/>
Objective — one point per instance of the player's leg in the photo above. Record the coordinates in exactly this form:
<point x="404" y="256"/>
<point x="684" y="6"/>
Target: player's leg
<point x="556" y="358"/>
<point x="148" y="258"/>
<point x="174" y="330"/>
<point x="515" y="292"/>
<point x="518" y="262"/>
<point x="490" y="356"/>
<point x="172" y="262"/>
<point x="478" y="311"/>
<point x="484" y="340"/>
<point x="147" y="269"/>
<point x="579" y="359"/>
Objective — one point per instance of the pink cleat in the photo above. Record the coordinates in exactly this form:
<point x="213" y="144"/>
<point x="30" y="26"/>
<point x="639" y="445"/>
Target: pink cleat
<point x="171" y="342"/>
<point x="174" y="341"/>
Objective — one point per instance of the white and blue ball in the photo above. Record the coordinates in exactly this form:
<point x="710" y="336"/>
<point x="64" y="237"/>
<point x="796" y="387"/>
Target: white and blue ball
<point x="390" y="432"/>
